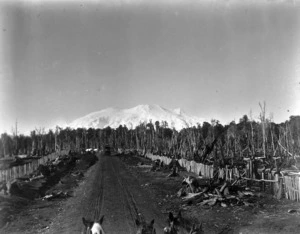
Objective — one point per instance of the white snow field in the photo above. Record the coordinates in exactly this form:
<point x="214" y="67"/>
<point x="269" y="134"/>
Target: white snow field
<point x="114" y="117"/>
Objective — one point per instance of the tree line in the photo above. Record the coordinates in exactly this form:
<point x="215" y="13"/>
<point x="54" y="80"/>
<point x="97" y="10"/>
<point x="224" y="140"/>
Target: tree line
<point x="210" y="142"/>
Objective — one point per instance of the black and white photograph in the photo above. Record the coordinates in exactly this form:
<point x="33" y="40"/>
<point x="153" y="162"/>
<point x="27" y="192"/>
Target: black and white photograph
<point x="149" y="116"/>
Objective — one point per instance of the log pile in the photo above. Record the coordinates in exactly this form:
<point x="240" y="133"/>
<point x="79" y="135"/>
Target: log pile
<point x="223" y="194"/>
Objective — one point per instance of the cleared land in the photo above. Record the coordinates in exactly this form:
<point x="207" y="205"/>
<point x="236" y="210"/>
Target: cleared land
<point x="121" y="189"/>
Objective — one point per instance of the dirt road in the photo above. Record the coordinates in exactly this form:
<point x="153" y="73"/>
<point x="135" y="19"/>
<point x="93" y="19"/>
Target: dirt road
<point x="121" y="187"/>
<point x="110" y="189"/>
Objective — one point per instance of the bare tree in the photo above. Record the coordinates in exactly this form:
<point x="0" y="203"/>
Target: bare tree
<point x="262" y="117"/>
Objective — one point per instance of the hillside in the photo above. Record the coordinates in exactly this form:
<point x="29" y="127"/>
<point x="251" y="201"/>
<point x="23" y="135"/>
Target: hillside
<point x="114" y="117"/>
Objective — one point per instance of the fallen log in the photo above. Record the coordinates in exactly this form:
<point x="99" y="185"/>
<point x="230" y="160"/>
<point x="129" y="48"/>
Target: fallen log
<point x="192" y="196"/>
<point x="210" y="202"/>
<point x="248" y="193"/>
<point x="36" y="177"/>
<point x="238" y="179"/>
<point x="231" y="197"/>
<point x="59" y="194"/>
<point x="223" y="187"/>
<point x="261" y="180"/>
<point x="218" y="192"/>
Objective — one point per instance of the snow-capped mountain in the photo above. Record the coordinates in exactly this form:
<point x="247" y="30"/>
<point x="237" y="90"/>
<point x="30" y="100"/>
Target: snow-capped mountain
<point x="114" y="117"/>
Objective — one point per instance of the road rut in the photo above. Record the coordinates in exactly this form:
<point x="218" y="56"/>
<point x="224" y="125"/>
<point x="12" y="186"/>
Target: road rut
<point x="109" y="189"/>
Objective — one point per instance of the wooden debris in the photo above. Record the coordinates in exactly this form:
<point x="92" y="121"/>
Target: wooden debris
<point x="205" y="189"/>
<point x="181" y="192"/>
<point x="209" y="202"/>
<point x="226" y="191"/>
<point x="248" y="193"/>
<point x="218" y="192"/>
<point x="292" y="211"/>
<point x="192" y="196"/>
<point x="36" y="177"/>
<point x="59" y="194"/>
<point x="247" y="203"/>
<point x="223" y="187"/>
<point x="231" y="197"/>
<point x="241" y="177"/>
<point x="240" y="194"/>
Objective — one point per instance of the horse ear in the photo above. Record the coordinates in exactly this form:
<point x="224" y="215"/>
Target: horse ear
<point x="101" y="220"/>
<point x="137" y="222"/>
<point x="152" y="222"/>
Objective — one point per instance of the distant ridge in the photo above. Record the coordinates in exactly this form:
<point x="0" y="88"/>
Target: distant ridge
<point x="114" y="117"/>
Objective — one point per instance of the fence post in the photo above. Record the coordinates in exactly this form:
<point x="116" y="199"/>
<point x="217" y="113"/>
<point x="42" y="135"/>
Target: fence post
<point x="13" y="172"/>
<point x="263" y="183"/>
<point x="249" y="173"/>
<point x="278" y="187"/>
<point x="297" y="187"/>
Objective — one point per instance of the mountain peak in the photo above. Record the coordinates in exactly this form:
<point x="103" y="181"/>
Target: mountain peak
<point x="148" y="107"/>
<point x="132" y="117"/>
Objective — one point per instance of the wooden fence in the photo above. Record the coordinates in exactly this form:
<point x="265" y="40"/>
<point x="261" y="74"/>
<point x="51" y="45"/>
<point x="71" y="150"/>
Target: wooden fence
<point x="25" y="169"/>
<point x="289" y="185"/>
<point x="292" y="187"/>
<point x="191" y="166"/>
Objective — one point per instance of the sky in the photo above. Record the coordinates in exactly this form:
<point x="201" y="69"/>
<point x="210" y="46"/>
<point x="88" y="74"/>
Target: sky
<point x="61" y="60"/>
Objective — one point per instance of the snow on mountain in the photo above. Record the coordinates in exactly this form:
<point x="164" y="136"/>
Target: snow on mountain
<point x="177" y="111"/>
<point x="114" y="117"/>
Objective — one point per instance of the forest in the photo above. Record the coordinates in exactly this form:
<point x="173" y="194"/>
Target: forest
<point x="210" y="143"/>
